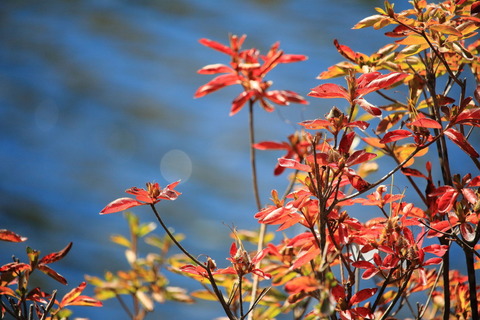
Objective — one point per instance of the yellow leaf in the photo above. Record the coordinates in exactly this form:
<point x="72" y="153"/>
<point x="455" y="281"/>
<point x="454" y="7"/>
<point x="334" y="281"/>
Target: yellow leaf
<point x="411" y="50"/>
<point x="446" y="29"/>
<point x="412" y="39"/>
<point x="204" y="295"/>
<point x="121" y="240"/>
<point x="369" y="21"/>
<point x="403" y="152"/>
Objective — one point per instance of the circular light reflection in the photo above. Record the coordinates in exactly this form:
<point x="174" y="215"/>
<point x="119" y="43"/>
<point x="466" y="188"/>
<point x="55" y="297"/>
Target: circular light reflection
<point x="176" y="165"/>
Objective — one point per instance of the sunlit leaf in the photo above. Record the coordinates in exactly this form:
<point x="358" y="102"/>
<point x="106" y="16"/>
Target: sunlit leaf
<point x="367" y="106"/>
<point x="446" y="29"/>
<point x="55" y="256"/>
<point x="204" y="295"/>
<point x="395" y="135"/>
<point x="7" y="235"/>
<point x="362" y="295"/>
<point x="329" y="90"/>
<point x="412" y="40"/>
<point x="369" y="21"/>
<point x="216" y="46"/>
<point x="121" y="240"/>
<point x="458" y="138"/>
<point x="426" y="123"/>
<point x="52" y="273"/>
<point x="120" y="205"/>
<point x="293" y="164"/>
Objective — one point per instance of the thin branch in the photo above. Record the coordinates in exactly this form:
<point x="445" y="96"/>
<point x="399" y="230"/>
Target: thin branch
<point x="206" y="266"/>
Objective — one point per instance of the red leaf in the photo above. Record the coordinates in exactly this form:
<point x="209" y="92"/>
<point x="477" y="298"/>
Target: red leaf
<point x="363" y="264"/>
<point x="360" y="156"/>
<point x="120" y="205"/>
<point x="55" y="256"/>
<point x="86" y="301"/>
<point x="467" y="231"/>
<point x="379" y="82"/>
<point x="215" y="68"/>
<point x="271" y="145"/>
<point x="74" y="298"/>
<point x="293" y="164"/>
<point x="216" y="84"/>
<point x="301" y="284"/>
<point x="475" y="182"/>
<point x="367" y="274"/>
<point x="240" y="101"/>
<point x="15" y="267"/>
<point x="358" y="124"/>
<point x="316" y="124"/>
<point x="329" y="90"/>
<point x="432" y="261"/>
<point x="459" y="140"/>
<point x="436" y="249"/>
<point x="7" y="235"/>
<point x="426" y="123"/>
<point x="362" y="295"/>
<point x="469" y="116"/>
<point x="395" y="135"/>
<point x="346" y="143"/>
<point x="470" y="195"/>
<point x="367" y="106"/>
<point x="345" y="51"/>
<point x="73" y="294"/>
<point x="358" y="182"/>
<point x="52" y="273"/>
<point x="413" y="173"/>
<point x="216" y="46"/>
<point x="288" y="58"/>
<point x="7" y="291"/>
<point x="306" y="256"/>
<point x="446" y="201"/>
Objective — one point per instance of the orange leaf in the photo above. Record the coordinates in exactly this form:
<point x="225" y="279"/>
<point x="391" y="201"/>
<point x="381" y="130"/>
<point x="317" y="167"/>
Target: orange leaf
<point x="301" y="284"/>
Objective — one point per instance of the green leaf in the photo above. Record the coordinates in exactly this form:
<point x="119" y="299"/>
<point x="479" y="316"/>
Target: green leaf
<point x="33" y="256"/>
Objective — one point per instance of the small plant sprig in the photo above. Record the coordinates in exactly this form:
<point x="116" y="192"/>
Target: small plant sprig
<point x="144" y="283"/>
<point x="241" y="262"/>
<point x="18" y="300"/>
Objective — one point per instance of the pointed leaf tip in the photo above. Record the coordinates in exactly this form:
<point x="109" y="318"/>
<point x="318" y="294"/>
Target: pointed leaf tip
<point x="120" y="204"/>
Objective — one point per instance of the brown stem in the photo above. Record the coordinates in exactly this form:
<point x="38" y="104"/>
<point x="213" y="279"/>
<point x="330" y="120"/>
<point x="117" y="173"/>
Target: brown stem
<point x="206" y="266"/>
<point x="252" y="155"/>
<point x="472" y="283"/>
<point x="263" y="227"/>
<point x="397" y="296"/>
<point x="446" y="279"/>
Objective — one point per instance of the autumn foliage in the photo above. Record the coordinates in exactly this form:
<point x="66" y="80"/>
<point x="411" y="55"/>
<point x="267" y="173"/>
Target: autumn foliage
<point x="320" y="260"/>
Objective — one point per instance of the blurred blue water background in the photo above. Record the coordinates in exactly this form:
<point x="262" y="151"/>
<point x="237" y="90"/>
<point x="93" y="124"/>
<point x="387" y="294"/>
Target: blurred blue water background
<point x="96" y="97"/>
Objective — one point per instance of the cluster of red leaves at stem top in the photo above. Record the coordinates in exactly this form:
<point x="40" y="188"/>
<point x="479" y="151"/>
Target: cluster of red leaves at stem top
<point x="151" y="195"/>
<point x="248" y="68"/>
